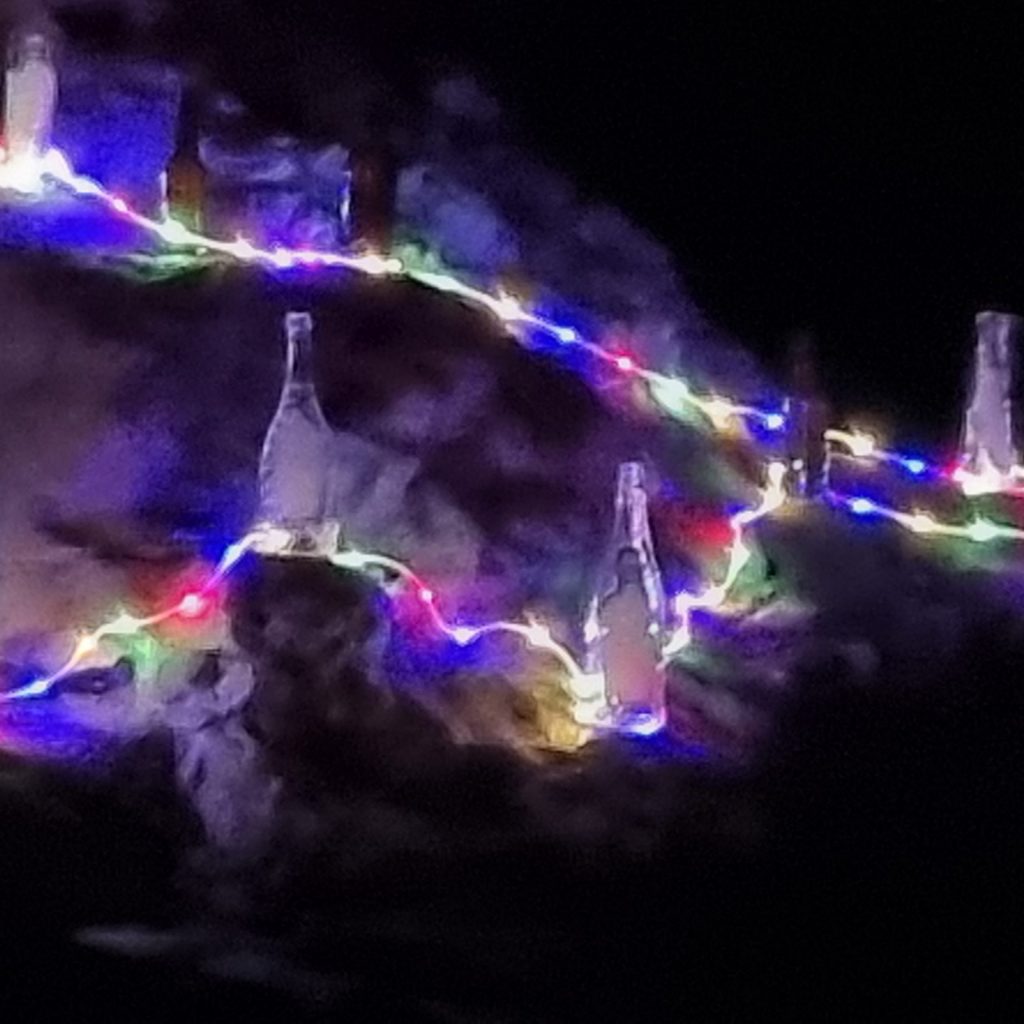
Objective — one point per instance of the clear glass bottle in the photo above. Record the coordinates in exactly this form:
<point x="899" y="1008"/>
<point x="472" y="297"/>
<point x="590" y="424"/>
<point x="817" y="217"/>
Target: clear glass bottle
<point x="30" y="95"/>
<point x="294" y="465"/>
<point x="988" y="443"/>
<point x="626" y="616"/>
<point x="184" y="182"/>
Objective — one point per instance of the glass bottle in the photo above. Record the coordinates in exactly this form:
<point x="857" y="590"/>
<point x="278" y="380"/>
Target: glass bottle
<point x="626" y="616"/>
<point x="30" y="96"/>
<point x="988" y="444"/>
<point x="184" y="182"/>
<point x="807" y="418"/>
<point x="373" y="187"/>
<point x="294" y="464"/>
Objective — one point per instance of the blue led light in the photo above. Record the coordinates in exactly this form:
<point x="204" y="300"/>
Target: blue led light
<point x="643" y="723"/>
<point x="861" y="506"/>
<point x="915" y="466"/>
<point x="463" y="635"/>
<point x="774" y="421"/>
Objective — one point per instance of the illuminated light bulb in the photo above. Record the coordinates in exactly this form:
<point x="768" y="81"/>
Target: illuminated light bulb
<point x="426" y="595"/>
<point x="241" y="248"/>
<point x="174" y="232"/>
<point x="861" y="506"/>
<point x="981" y="531"/>
<point x="674" y="396"/>
<point x="87" y="644"/>
<point x="921" y="522"/>
<point x="234" y="552"/>
<point x="123" y="625"/>
<point x="282" y="258"/>
<point x="349" y="560"/>
<point x="378" y="266"/>
<point x="625" y="364"/>
<point x="774" y="421"/>
<point x="442" y="282"/>
<point x="672" y="389"/>
<point x="507" y="308"/>
<point x="119" y="204"/>
<point x="463" y="635"/>
<point x="34" y="689"/>
<point x="192" y="605"/>
<point x="647" y="724"/>
<point x="861" y="446"/>
<point x="538" y="635"/>
<point x="718" y="410"/>
<point x="566" y="335"/>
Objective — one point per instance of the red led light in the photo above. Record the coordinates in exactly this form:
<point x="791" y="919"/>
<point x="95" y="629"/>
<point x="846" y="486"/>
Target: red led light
<point x="625" y="364"/>
<point x="426" y="595"/>
<point x="192" y="605"/>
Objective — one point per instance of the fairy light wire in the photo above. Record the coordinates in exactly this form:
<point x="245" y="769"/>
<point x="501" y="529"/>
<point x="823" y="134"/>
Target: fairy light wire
<point x="773" y="497"/>
<point x="670" y="393"/>
<point x="978" y="530"/>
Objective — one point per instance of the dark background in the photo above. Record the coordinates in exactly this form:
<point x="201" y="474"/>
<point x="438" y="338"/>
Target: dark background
<point x="851" y="171"/>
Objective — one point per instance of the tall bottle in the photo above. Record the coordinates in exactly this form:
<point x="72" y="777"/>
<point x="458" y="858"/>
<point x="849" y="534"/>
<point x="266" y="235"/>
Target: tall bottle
<point x="626" y="617"/>
<point x="807" y="419"/>
<point x="988" y="442"/>
<point x="30" y="95"/>
<point x="294" y="465"/>
<point x="373" y="187"/>
<point x="184" y="181"/>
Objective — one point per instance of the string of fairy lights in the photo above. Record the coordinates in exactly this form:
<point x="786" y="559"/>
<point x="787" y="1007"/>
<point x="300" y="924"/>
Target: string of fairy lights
<point x="671" y="394"/>
<point x="586" y="689"/>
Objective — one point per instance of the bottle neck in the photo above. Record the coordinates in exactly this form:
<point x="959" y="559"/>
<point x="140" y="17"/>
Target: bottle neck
<point x="299" y="330"/>
<point x="186" y="147"/>
<point x="631" y="522"/>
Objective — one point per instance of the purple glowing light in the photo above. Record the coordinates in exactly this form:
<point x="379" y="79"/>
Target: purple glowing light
<point x="861" y="506"/>
<point x="645" y="723"/>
